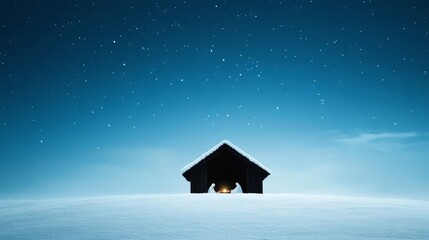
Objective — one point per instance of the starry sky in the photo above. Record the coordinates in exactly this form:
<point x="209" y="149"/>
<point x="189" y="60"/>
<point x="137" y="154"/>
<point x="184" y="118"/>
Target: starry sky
<point x="115" y="97"/>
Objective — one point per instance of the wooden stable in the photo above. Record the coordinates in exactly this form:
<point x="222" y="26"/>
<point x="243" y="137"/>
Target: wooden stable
<point x="225" y="165"/>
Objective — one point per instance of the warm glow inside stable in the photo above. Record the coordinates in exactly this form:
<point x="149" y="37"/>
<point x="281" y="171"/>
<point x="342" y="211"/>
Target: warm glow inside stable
<point x="224" y="190"/>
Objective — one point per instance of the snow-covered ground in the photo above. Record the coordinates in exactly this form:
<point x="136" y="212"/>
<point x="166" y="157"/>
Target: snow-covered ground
<point x="214" y="216"/>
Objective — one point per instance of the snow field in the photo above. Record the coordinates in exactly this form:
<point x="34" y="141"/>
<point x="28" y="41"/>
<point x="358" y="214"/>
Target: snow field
<point x="214" y="216"/>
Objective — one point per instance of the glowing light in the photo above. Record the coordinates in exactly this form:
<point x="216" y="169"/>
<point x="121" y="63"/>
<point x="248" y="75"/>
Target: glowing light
<point x="224" y="190"/>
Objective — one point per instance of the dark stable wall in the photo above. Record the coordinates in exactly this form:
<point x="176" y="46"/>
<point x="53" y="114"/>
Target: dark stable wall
<point x="225" y="168"/>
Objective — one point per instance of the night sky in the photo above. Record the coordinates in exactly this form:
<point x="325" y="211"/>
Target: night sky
<point x="115" y="97"/>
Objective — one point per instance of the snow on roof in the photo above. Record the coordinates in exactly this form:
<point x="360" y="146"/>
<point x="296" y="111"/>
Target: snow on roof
<point x="190" y="165"/>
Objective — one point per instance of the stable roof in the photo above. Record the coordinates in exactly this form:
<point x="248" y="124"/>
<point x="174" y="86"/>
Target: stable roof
<point x="216" y="147"/>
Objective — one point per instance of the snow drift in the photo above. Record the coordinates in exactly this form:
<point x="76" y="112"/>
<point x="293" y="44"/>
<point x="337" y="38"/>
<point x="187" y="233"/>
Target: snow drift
<point x="215" y="216"/>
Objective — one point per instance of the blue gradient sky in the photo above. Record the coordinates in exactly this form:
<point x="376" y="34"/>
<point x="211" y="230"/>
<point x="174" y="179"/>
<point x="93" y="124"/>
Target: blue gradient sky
<point x="114" y="97"/>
